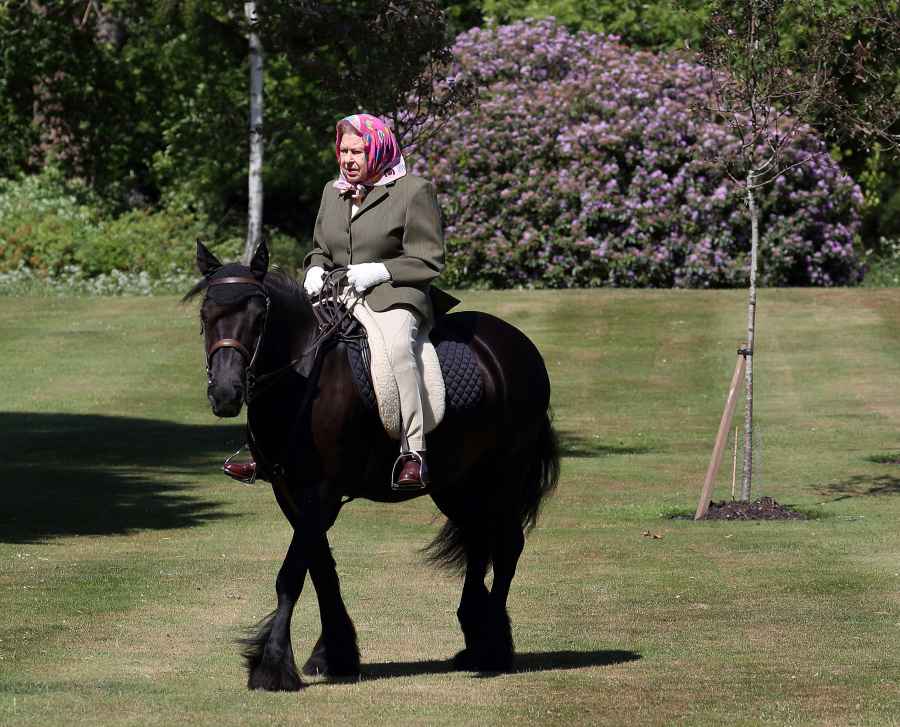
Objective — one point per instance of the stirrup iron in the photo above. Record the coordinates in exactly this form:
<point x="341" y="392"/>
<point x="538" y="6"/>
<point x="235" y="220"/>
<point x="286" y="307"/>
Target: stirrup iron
<point x="244" y="480"/>
<point x="395" y="471"/>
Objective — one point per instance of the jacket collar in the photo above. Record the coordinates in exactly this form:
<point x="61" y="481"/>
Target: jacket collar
<point x="373" y="198"/>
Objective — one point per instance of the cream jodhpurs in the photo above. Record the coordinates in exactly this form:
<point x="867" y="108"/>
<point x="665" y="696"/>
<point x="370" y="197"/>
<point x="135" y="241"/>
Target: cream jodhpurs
<point x="400" y="327"/>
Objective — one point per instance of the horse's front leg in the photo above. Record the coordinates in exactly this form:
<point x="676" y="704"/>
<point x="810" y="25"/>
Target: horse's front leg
<point x="268" y="655"/>
<point x="336" y="653"/>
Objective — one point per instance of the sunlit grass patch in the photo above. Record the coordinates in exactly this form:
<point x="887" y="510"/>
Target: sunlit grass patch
<point x="128" y="564"/>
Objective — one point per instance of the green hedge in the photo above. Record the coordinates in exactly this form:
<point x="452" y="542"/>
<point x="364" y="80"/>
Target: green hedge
<point x="51" y="227"/>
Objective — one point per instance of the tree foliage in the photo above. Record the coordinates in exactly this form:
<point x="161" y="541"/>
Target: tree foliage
<point x="835" y="65"/>
<point x="655" y="24"/>
<point x="784" y="63"/>
<point x="371" y="56"/>
<point x="148" y="100"/>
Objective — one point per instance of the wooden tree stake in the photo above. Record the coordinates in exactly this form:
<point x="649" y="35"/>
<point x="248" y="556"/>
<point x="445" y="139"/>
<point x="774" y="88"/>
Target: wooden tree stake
<point x="721" y="438"/>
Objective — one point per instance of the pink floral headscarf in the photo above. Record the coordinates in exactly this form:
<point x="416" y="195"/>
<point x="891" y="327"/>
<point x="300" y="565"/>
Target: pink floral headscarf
<point x="385" y="162"/>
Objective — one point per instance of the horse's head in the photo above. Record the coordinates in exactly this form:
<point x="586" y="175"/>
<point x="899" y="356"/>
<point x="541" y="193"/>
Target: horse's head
<point x="233" y="316"/>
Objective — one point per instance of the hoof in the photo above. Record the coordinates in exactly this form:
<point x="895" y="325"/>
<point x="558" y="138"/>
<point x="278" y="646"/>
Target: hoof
<point x="318" y="665"/>
<point x="315" y="666"/>
<point x="275" y="680"/>
<point x="343" y="661"/>
<point x="470" y="660"/>
<point x="497" y="663"/>
<point x="348" y="671"/>
<point x="464" y="661"/>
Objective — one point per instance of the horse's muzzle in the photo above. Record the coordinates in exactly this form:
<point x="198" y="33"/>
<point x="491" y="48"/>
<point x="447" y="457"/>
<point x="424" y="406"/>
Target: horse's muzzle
<point x="225" y="400"/>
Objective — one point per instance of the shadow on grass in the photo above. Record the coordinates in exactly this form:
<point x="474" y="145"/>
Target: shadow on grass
<point x="890" y="458"/>
<point x="862" y="485"/>
<point x="529" y="661"/>
<point x="69" y="474"/>
<point x="574" y="445"/>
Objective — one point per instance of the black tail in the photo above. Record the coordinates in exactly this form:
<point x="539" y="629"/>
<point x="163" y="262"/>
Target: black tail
<point x="448" y="549"/>
<point x="543" y="477"/>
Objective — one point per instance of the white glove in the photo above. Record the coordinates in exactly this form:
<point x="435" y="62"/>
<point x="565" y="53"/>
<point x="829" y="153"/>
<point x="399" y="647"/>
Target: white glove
<point x="367" y="275"/>
<point x="313" y="281"/>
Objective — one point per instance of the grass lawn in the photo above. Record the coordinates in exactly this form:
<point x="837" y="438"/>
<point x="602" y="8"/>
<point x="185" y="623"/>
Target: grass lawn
<point x="128" y="564"/>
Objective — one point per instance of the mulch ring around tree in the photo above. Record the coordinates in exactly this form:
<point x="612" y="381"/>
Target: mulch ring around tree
<point x="765" y="508"/>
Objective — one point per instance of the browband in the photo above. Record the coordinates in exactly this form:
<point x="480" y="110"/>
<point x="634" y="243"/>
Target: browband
<point x="237" y="279"/>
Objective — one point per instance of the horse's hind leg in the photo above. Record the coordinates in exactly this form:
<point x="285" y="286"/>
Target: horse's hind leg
<point x="482" y="613"/>
<point x="475" y="600"/>
<point x="268" y="655"/>
<point x="506" y="547"/>
<point x="335" y="653"/>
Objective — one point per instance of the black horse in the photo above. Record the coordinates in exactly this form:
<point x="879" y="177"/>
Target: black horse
<point x="322" y="445"/>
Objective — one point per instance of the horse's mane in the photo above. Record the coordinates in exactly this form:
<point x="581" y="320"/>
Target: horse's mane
<point x="289" y="292"/>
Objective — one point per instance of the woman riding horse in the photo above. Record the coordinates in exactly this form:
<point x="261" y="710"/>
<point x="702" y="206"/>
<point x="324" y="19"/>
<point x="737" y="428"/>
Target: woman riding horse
<point x="270" y="344"/>
<point x="384" y="225"/>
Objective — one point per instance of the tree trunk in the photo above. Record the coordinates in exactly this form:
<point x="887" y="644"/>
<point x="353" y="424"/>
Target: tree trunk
<point x="751" y="333"/>
<point x="255" y="179"/>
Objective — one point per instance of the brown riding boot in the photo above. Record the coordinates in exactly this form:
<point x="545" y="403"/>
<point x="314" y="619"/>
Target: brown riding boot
<point x="241" y="471"/>
<point x="245" y="472"/>
<point x="414" y="473"/>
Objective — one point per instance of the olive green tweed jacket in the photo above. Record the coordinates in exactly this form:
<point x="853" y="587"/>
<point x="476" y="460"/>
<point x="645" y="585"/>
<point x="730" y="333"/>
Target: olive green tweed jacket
<point x="399" y="224"/>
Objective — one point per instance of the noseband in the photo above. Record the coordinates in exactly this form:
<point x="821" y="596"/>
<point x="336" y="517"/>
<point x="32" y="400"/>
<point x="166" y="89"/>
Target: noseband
<point x="249" y="358"/>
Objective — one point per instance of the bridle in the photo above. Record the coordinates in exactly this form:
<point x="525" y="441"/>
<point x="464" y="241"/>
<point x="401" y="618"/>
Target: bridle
<point x="331" y="321"/>
<point x="249" y="358"/>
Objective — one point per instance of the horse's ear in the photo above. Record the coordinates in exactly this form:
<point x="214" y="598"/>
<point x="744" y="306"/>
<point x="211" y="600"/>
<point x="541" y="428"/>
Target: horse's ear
<point x="260" y="262"/>
<point x="207" y="263"/>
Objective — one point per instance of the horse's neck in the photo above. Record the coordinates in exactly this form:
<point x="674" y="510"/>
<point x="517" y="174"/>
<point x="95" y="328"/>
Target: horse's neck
<point x="290" y="328"/>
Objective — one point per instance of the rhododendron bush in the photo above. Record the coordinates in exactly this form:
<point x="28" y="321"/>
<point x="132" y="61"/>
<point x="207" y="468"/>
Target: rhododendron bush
<point x="586" y="164"/>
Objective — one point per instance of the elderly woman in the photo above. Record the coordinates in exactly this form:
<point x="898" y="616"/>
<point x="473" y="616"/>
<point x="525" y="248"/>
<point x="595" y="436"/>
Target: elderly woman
<point x="384" y="225"/>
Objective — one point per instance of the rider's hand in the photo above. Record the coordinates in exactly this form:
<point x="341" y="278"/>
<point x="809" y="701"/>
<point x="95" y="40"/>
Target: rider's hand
<point x="313" y="281"/>
<point x="367" y="275"/>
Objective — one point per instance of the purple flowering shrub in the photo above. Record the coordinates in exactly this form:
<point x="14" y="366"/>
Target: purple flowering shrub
<point x="584" y="165"/>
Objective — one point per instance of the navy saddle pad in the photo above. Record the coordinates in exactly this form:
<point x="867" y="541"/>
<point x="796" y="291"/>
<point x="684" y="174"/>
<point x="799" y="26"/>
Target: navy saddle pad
<point x="459" y="367"/>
